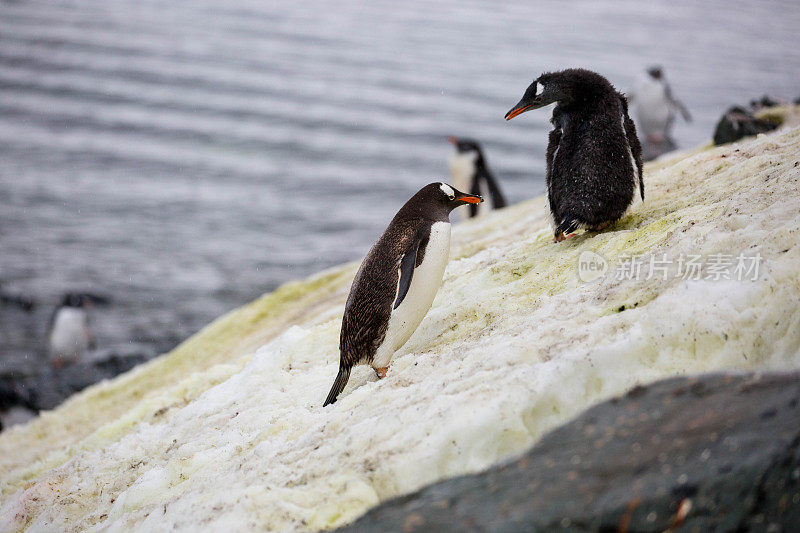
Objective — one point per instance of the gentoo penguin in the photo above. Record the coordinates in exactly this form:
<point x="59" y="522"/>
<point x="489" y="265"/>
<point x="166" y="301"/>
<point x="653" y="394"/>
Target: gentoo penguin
<point x="470" y="172"/>
<point x="70" y="334"/>
<point x="396" y="284"/>
<point x="593" y="154"/>
<point x="655" y="110"/>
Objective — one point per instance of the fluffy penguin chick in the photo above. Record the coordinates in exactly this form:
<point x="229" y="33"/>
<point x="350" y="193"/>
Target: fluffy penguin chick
<point x="470" y="172"/>
<point x="396" y="284"/>
<point x="593" y="154"/>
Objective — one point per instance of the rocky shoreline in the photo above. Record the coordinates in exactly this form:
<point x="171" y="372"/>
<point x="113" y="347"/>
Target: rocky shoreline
<point x="26" y="394"/>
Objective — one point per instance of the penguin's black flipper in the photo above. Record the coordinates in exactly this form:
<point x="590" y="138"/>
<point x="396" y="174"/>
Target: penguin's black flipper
<point x="633" y="142"/>
<point x="407" y="264"/>
<point x="677" y="104"/>
<point x="636" y="150"/>
<point x="338" y="385"/>
<point x="498" y="200"/>
<point x="554" y="139"/>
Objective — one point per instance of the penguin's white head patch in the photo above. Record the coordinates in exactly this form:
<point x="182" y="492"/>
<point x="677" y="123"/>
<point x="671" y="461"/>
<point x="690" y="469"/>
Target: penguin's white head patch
<point x="448" y="190"/>
<point x="539" y="88"/>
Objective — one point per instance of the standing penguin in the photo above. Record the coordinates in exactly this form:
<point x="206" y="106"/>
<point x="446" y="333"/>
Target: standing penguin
<point x="654" y="109"/>
<point x="396" y="284"/>
<point x="69" y="332"/>
<point x="470" y="172"/>
<point x="593" y="154"/>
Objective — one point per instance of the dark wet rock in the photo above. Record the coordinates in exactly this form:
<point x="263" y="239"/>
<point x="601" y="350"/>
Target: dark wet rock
<point x="49" y="386"/>
<point x="15" y="415"/>
<point x="18" y="300"/>
<point x="737" y="123"/>
<point x="713" y="453"/>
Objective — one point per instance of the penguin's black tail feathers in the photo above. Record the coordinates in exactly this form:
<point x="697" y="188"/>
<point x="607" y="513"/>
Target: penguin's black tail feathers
<point x="567" y="226"/>
<point x="338" y="385"/>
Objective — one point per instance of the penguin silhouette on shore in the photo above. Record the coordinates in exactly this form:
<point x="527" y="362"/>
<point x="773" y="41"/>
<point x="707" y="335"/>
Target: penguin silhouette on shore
<point x="397" y="281"/>
<point x="593" y="156"/>
<point x="69" y="332"/>
<point x="470" y="172"/>
<point x="654" y="110"/>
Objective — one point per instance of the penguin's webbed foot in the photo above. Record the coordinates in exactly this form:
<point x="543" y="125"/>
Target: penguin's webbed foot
<point x="561" y="237"/>
<point x="599" y="227"/>
<point x="381" y="372"/>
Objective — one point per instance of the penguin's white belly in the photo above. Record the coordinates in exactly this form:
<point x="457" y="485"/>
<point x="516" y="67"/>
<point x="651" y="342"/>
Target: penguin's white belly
<point x="70" y="335"/>
<point x="652" y="109"/>
<point x="425" y="283"/>
<point x="462" y="168"/>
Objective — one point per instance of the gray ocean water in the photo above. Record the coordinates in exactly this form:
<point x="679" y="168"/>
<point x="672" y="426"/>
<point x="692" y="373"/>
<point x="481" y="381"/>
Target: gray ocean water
<point x="183" y="157"/>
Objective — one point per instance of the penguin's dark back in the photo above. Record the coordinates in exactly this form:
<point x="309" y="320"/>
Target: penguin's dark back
<point x="592" y="171"/>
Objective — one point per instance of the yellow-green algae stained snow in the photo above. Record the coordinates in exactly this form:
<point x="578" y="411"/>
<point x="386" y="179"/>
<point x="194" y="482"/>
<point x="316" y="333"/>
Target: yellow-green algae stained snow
<point x="222" y="433"/>
<point x="104" y="412"/>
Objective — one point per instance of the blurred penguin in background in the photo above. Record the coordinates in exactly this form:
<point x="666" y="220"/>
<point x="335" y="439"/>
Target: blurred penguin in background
<point x="69" y="333"/>
<point x="654" y="112"/>
<point x="470" y="173"/>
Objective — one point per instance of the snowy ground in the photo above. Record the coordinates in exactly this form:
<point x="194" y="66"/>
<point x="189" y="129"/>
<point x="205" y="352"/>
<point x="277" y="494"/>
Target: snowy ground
<point x="228" y="432"/>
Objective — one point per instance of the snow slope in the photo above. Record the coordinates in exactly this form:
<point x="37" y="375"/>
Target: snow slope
<point x="227" y="431"/>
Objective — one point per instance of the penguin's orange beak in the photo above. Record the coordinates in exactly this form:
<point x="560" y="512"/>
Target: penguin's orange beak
<point x="452" y="140"/>
<point x="529" y="100"/>
<point x="517" y="111"/>
<point x="469" y="199"/>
